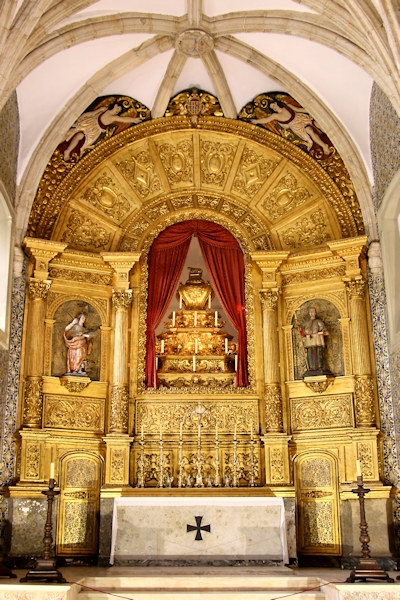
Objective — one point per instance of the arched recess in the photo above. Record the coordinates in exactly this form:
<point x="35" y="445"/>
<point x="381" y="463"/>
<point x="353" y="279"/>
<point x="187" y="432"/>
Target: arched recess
<point x="317" y="497"/>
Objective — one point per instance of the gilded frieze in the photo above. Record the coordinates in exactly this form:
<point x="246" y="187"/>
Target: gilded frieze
<point x="79" y="523"/>
<point x="177" y="160"/>
<point x="84" y="414"/>
<point x="253" y="171"/>
<point x="80" y="276"/>
<point x="157" y="210"/>
<point x="139" y="169"/>
<point x="314" y="274"/>
<point x="215" y="161"/>
<point x="171" y="415"/>
<point x="232" y="210"/>
<point x="326" y="412"/>
<point x="119" y="409"/>
<point x="285" y="196"/>
<point x="208" y="202"/>
<point x="180" y="202"/>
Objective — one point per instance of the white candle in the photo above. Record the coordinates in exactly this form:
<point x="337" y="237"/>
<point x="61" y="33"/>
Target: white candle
<point x="358" y="468"/>
<point x="195" y="318"/>
<point x="162" y="346"/>
<point x="194" y="363"/>
<point x="52" y="470"/>
<point x="209" y="301"/>
<point x="235" y="362"/>
<point x="196" y="346"/>
<point x="216" y="319"/>
<point x="156" y="363"/>
<point x="173" y="319"/>
<point x="180" y="300"/>
<point x="226" y="345"/>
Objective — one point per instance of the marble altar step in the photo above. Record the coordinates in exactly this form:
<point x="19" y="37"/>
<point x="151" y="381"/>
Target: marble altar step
<point x="264" y="587"/>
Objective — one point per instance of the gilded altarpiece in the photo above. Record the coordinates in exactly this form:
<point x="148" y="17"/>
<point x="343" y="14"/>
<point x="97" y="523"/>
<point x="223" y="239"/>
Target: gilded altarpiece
<point x="198" y="433"/>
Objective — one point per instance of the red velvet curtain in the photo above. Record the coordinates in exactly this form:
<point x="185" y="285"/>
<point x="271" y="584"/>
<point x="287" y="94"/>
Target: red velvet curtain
<point x="225" y="264"/>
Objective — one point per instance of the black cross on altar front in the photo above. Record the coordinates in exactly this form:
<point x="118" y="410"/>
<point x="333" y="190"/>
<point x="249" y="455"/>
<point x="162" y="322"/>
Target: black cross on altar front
<point x="198" y="528"/>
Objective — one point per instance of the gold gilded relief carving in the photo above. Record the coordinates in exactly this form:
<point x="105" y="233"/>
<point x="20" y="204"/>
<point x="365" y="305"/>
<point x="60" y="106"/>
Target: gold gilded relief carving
<point x="253" y="226"/>
<point x="33" y="402"/>
<point x="365" y="456"/>
<point x="104" y="195"/>
<point x="277" y="465"/>
<point x="84" y="414"/>
<point x="79" y="519"/>
<point x="80" y="472"/>
<point x="313" y="275"/>
<point x="80" y="276"/>
<point x="84" y="233"/>
<point x="182" y="202"/>
<point x="171" y="416"/>
<point x="82" y="495"/>
<point x="309" y="231"/>
<point x="38" y="288"/>
<point x="356" y="288"/>
<point x="245" y="471"/>
<point x="208" y="202"/>
<point x="364" y="401"/>
<point x="269" y="299"/>
<point x="315" y="473"/>
<point x="32" y="461"/>
<point x="158" y="210"/>
<point x="322" y="413"/>
<point x="74" y="386"/>
<point x="177" y="160"/>
<point x="254" y="169"/>
<point x="285" y="197"/>
<point x="232" y="210"/>
<point x="319" y="387"/>
<point x="117" y="465"/>
<point x="263" y="242"/>
<point x="122" y="299"/>
<point x="140" y="171"/>
<point x="318" y="524"/>
<point x="216" y="161"/>
<point x="119" y="409"/>
<point x="273" y="407"/>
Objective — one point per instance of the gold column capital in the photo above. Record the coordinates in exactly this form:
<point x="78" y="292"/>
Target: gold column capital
<point x="269" y="298"/>
<point x="38" y="288"/>
<point x="356" y="288"/>
<point x="122" y="298"/>
<point x="41" y="252"/>
<point x="121" y="263"/>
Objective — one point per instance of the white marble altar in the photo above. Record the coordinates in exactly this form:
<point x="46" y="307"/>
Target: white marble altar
<point x="204" y="529"/>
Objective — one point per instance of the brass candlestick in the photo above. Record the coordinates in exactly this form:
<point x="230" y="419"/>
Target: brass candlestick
<point x="367" y="567"/>
<point x="199" y="460"/>
<point x="234" y="474"/>
<point x="161" y="475"/>
<point x="45" y="567"/>
<point x="216" y="480"/>
<point x="180" y="463"/>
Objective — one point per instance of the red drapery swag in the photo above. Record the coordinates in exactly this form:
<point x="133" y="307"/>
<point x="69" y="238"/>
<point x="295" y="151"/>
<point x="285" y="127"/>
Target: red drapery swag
<point x="224" y="260"/>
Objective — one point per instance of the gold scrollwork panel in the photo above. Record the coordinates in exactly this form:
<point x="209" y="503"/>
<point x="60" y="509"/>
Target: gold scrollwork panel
<point x="317" y="495"/>
<point x="79" y="505"/>
<point x="326" y="412"/>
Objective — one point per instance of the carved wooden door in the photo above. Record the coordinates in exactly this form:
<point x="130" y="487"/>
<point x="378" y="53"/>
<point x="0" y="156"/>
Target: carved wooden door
<point x="79" y="505"/>
<point x="318" y="518"/>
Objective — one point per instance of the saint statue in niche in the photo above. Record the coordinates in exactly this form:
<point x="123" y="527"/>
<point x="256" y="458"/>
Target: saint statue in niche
<point x="78" y="340"/>
<point x="314" y="331"/>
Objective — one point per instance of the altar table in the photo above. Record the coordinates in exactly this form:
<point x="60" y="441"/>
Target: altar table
<point x="204" y="529"/>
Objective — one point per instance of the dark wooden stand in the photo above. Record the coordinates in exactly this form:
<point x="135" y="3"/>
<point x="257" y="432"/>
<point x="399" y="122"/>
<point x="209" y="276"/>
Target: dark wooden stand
<point x="45" y="567"/>
<point x="367" y="567"/>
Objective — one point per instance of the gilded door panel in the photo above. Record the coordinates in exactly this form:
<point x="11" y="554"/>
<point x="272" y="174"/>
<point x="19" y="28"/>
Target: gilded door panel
<point x="318" y="521"/>
<point x="79" y="503"/>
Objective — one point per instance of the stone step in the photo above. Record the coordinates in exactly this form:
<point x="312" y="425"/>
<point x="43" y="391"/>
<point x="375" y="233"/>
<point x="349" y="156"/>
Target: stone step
<point x="201" y="588"/>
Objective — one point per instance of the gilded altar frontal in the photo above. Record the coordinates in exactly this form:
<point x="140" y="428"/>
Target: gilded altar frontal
<point x="197" y="321"/>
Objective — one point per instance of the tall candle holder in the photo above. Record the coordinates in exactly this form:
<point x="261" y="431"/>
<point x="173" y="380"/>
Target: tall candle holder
<point x="180" y="464"/>
<point x="140" y="483"/>
<point x="45" y="567"/>
<point x="234" y="473"/>
<point x="161" y="472"/>
<point x="199" y="461"/>
<point x="216" y="464"/>
<point x="367" y="567"/>
<point x="252" y="480"/>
